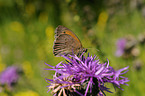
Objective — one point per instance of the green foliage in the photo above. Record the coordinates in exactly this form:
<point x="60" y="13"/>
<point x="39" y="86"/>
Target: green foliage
<point x="27" y="35"/>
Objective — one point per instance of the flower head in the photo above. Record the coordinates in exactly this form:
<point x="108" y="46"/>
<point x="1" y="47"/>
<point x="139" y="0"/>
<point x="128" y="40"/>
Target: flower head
<point x="121" y="44"/>
<point x="9" y="76"/>
<point x="87" y="73"/>
<point x="126" y="47"/>
<point x="63" y="86"/>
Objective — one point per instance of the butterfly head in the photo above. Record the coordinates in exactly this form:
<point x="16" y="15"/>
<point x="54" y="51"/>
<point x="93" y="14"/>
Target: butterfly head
<point x="83" y="50"/>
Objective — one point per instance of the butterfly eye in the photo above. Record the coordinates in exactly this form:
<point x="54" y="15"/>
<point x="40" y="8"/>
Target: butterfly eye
<point x="64" y="32"/>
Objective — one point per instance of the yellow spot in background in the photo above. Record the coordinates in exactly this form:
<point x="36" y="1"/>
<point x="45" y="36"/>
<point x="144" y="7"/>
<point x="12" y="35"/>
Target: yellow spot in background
<point x="76" y="18"/>
<point x="41" y="52"/>
<point x="43" y="17"/>
<point x="27" y="93"/>
<point x="17" y="27"/>
<point x="30" y="9"/>
<point x="46" y="48"/>
<point x="3" y="93"/>
<point x="2" y="66"/>
<point x="49" y="32"/>
<point x="50" y="39"/>
<point x="28" y="69"/>
<point x="101" y="24"/>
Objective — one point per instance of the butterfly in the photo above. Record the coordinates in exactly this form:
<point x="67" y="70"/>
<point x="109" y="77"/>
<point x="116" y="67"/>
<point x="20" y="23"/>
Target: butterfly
<point x="66" y="42"/>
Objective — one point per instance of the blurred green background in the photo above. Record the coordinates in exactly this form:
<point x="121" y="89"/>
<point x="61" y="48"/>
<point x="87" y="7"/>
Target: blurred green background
<point x="27" y="36"/>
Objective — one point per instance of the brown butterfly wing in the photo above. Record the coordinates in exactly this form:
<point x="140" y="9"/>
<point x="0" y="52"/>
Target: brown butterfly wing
<point x="59" y="30"/>
<point x="66" y="44"/>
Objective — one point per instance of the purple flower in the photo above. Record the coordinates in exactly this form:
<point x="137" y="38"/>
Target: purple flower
<point x="121" y="44"/>
<point x="9" y="76"/>
<point x="84" y="76"/>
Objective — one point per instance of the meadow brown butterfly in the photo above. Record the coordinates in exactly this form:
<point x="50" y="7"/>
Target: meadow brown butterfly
<point x="66" y="42"/>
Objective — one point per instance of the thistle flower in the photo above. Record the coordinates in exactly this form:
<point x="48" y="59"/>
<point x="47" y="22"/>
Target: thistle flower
<point x="84" y="76"/>
<point x="9" y="76"/>
<point x="126" y="47"/>
<point x="63" y="86"/>
<point x="121" y="44"/>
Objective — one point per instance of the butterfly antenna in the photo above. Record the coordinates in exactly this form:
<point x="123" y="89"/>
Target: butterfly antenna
<point x="98" y="51"/>
<point x="95" y="49"/>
